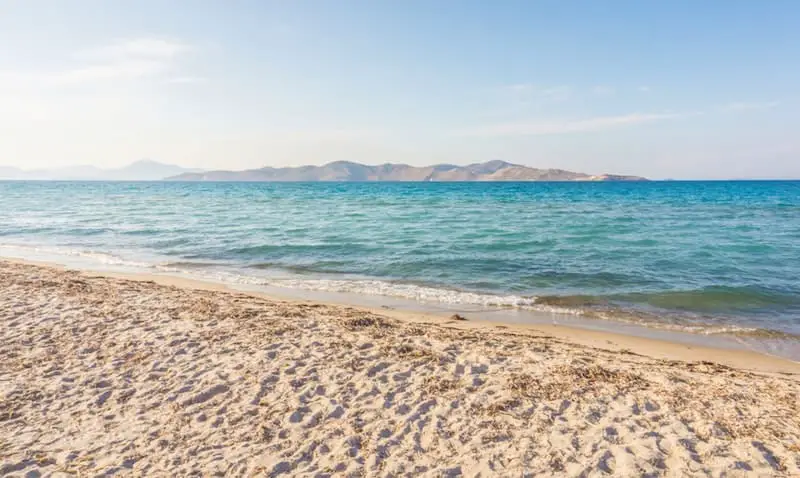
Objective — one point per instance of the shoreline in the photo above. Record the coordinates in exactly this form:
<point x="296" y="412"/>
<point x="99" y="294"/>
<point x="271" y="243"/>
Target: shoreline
<point x="107" y="374"/>
<point x="736" y="337"/>
<point x="732" y="356"/>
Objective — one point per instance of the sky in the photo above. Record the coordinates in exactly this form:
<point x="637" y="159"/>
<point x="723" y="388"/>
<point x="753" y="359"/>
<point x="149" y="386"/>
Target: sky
<point x="678" y="89"/>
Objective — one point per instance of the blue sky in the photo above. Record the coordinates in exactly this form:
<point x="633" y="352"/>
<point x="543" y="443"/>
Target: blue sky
<point x="679" y="89"/>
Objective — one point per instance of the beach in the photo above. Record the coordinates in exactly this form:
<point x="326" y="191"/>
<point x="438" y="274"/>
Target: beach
<point x="150" y="376"/>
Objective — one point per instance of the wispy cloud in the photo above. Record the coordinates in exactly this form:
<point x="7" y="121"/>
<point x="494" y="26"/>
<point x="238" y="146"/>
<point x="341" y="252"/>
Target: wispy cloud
<point x="95" y="82"/>
<point x="530" y="92"/>
<point x="745" y="106"/>
<point x="643" y="89"/>
<point x="111" y="71"/>
<point x="187" y="80"/>
<point x="129" y="59"/>
<point x="603" y="90"/>
<point x="133" y="58"/>
<point x="527" y="94"/>
<point x="326" y="135"/>
<point x="554" y="127"/>
<point x="144" y="47"/>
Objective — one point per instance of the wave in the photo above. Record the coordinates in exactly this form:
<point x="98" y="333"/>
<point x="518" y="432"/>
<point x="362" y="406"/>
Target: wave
<point x="400" y="290"/>
<point x="95" y="256"/>
<point x="671" y="322"/>
<point x="718" y="301"/>
<point x="583" y="307"/>
<point x="710" y="310"/>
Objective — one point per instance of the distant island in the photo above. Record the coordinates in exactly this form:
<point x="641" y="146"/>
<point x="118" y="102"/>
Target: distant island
<point x="348" y="171"/>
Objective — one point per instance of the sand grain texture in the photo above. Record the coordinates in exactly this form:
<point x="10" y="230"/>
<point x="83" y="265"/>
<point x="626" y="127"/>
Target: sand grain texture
<point x="105" y="376"/>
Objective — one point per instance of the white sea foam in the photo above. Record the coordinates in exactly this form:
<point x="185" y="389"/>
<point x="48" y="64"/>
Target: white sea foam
<point x="382" y="288"/>
<point x="52" y="252"/>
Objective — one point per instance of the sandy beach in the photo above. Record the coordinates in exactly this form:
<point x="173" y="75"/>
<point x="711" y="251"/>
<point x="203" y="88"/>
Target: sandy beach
<point x="107" y="375"/>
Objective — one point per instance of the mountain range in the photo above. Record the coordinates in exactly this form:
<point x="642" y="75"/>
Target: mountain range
<point x="144" y="170"/>
<point x="347" y="171"/>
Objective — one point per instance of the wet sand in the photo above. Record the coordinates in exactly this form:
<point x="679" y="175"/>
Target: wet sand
<point x="159" y="376"/>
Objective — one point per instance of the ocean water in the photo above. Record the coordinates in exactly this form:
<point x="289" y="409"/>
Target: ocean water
<point x="708" y="257"/>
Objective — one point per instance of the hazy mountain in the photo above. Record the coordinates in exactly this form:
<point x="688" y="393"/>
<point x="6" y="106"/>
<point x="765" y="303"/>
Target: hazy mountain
<point x="7" y="172"/>
<point x="144" y="170"/>
<point x="148" y="170"/>
<point x="347" y="171"/>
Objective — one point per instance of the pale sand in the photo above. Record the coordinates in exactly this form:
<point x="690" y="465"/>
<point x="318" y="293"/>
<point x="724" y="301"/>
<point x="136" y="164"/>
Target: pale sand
<point x="105" y="375"/>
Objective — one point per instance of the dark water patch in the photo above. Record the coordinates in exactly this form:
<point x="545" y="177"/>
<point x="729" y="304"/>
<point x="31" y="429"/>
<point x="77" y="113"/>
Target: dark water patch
<point x="572" y="301"/>
<point x="716" y="299"/>
<point x="190" y="265"/>
<point x="142" y="232"/>
<point x="326" y="267"/>
<point x="550" y="278"/>
<point x="267" y="250"/>
<point x="85" y="231"/>
<point x="162" y="244"/>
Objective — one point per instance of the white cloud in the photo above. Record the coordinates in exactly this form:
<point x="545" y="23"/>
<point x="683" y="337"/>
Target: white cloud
<point x="644" y="89"/>
<point x="745" y="106"/>
<point x="553" y="127"/>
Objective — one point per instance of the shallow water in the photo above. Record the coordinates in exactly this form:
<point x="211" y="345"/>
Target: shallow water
<point x="709" y="257"/>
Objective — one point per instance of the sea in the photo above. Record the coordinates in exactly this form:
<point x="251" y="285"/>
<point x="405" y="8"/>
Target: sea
<point x="701" y="259"/>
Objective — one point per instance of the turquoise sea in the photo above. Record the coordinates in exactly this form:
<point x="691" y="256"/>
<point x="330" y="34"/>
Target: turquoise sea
<point x="708" y="257"/>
